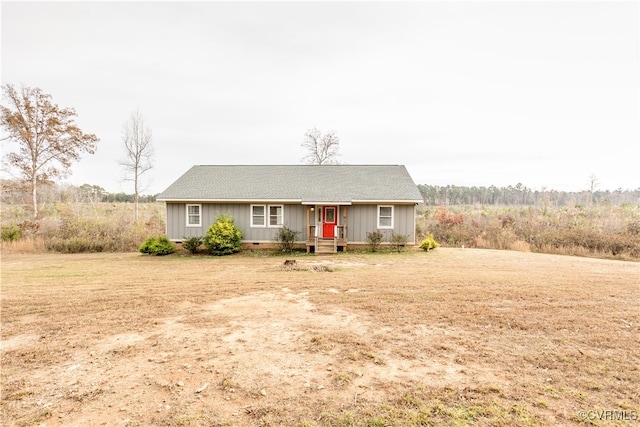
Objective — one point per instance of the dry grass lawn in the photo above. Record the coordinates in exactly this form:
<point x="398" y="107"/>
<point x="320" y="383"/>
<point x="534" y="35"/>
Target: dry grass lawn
<point x="451" y="337"/>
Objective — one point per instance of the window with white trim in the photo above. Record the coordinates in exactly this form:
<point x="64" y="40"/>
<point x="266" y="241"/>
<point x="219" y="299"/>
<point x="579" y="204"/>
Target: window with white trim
<point x="258" y="213"/>
<point x="385" y="216"/>
<point x="267" y="215"/>
<point x="194" y="215"/>
<point x="275" y="215"/>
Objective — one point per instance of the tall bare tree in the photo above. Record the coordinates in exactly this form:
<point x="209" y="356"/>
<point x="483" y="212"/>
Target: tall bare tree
<point x="322" y="149"/>
<point x="47" y="137"/>
<point x="136" y="138"/>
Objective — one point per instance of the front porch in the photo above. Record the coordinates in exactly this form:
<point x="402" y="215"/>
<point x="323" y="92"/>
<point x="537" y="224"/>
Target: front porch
<point x="326" y="234"/>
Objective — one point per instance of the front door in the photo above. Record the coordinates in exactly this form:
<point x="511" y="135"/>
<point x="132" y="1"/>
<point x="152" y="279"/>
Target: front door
<point x="329" y="220"/>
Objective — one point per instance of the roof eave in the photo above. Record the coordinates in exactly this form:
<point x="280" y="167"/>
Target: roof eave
<point x="326" y="202"/>
<point x="389" y="201"/>
<point x="199" y="200"/>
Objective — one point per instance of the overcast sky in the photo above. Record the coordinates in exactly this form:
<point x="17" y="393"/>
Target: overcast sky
<point x="464" y="93"/>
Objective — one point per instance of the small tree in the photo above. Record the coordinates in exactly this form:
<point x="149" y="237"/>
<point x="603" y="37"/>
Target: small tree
<point x="286" y="238"/>
<point x="321" y="149"/>
<point x="223" y="237"/>
<point x="47" y="136"/>
<point x="136" y="138"/>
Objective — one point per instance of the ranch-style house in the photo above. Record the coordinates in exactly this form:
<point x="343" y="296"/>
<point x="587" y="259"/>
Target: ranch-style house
<point x="330" y="206"/>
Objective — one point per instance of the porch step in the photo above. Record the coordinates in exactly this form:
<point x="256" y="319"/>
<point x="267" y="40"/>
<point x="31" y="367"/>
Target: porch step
<point x="325" y="247"/>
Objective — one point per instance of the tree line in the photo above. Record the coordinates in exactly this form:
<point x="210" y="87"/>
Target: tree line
<point x="520" y="195"/>
<point x="17" y="192"/>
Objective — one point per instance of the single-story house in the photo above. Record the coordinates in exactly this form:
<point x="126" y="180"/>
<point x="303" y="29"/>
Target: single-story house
<point x="330" y="206"/>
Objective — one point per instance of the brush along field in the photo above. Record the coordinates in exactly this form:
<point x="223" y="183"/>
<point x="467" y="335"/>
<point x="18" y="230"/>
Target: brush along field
<point x="450" y="337"/>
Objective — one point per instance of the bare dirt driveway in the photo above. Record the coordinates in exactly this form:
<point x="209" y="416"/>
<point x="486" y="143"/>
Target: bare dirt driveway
<point x="451" y="337"/>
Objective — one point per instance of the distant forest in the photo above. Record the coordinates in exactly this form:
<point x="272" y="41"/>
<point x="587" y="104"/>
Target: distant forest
<point x="521" y="195"/>
<point x="16" y="192"/>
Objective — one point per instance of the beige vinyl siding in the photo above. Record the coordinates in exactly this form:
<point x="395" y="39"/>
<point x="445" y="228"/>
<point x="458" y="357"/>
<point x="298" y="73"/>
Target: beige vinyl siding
<point x="177" y="230"/>
<point x="363" y="219"/>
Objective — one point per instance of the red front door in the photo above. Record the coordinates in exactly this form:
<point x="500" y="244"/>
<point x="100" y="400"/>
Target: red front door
<point x="329" y="221"/>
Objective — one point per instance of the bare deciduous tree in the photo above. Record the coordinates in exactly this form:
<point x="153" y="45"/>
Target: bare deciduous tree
<point x="136" y="138"/>
<point x="47" y="136"/>
<point x="321" y="149"/>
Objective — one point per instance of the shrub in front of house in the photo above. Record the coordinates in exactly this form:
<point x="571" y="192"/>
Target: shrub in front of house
<point x="374" y="239"/>
<point x="286" y="238"/>
<point x="429" y="243"/>
<point x="223" y="237"/>
<point x="157" y="245"/>
<point x="192" y="244"/>
<point x="398" y="241"/>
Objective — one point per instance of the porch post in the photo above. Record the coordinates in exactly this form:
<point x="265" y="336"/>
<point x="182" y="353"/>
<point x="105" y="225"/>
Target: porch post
<point x="306" y="241"/>
<point x="344" y="225"/>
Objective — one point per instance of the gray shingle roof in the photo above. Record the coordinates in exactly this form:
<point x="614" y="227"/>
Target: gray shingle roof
<point x="301" y="183"/>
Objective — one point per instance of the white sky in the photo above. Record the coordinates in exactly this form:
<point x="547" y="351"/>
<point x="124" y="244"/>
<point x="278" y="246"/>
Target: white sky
<point x="463" y="93"/>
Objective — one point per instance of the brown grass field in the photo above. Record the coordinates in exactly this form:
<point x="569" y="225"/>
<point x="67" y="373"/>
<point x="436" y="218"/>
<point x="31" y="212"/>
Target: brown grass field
<point x="450" y="337"/>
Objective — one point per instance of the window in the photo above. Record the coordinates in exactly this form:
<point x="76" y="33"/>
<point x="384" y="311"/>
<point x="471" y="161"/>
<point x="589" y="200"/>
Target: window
<point x="385" y="216"/>
<point x="330" y="215"/>
<point x="275" y="216"/>
<point x="194" y="217"/>
<point x="267" y="215"/>
<point x="257" y="216"/>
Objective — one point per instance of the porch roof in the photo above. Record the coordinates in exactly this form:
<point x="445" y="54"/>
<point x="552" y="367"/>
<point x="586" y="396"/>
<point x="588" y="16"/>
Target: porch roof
<point x="306" y="184"/>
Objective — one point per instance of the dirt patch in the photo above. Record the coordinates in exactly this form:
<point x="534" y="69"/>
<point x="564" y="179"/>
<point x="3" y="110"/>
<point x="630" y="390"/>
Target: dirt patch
<point x="486" y="337"/>
<point x="272" y="344"/>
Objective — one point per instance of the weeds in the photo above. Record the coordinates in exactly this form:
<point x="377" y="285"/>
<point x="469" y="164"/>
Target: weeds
<point x="69" y="229"/>
<point x="601" y="231"/>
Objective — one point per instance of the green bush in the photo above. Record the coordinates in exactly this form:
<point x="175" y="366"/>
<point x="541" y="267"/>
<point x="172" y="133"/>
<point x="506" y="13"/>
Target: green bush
<point x="157" y="245"/>
<point x="429" y="243"/>
<point x="223" y="237"/>
<point x="192" y="244"/>
<point x="285" y="238"/>
<point x="11" y="233"/>
<point x="374" y="239"/>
